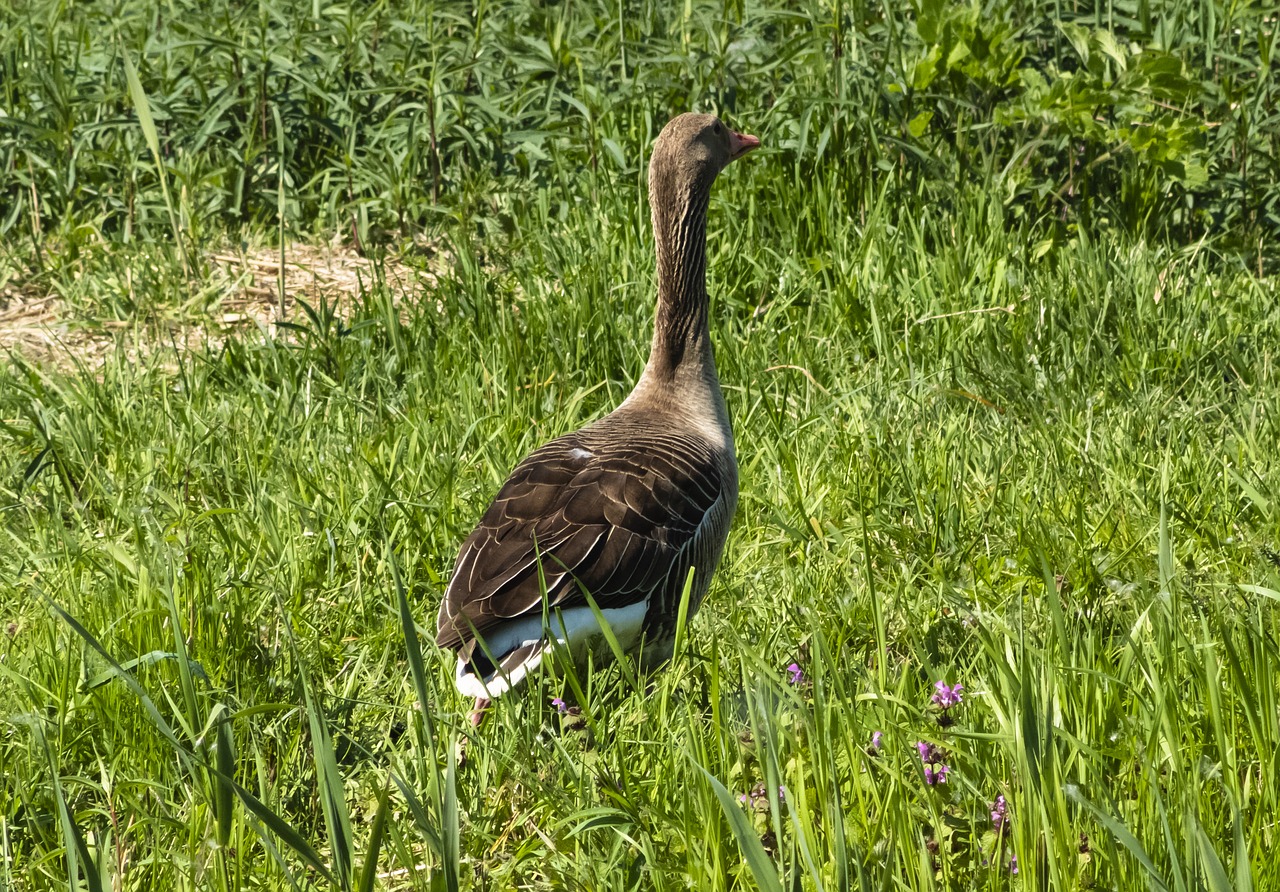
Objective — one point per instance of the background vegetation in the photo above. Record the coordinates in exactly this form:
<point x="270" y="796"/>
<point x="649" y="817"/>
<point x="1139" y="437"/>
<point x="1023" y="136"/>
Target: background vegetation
<point x="996" y="317"/>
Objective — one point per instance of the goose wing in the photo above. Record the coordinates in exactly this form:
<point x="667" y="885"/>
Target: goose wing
<point x="613" y="516"/>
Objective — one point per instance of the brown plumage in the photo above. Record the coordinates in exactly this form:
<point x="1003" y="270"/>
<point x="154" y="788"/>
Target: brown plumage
<point x="625" y="506"/>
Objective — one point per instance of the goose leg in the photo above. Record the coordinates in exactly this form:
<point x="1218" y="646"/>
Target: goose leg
<point x="477" y="716"/>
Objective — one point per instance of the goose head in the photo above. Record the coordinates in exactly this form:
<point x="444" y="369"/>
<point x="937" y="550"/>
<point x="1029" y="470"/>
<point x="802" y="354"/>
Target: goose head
<point x="688" y="155"/>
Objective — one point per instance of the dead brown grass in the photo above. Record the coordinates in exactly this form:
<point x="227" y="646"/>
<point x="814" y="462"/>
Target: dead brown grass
<point x="252" y="289"/>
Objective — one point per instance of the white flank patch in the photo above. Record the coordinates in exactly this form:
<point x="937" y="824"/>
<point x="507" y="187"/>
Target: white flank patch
<point x="575" y="629"/>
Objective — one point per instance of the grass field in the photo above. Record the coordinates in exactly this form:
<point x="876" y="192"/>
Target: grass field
<point x="997" y="319"/>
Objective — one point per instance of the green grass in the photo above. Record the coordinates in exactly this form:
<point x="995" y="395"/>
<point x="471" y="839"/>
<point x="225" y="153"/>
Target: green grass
<point x="1008" y="426"/>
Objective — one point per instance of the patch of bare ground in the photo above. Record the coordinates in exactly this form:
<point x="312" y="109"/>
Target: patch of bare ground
<point x="247" y="290"/>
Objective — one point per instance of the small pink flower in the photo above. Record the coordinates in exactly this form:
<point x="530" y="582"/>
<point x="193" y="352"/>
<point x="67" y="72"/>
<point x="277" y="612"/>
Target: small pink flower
<point x="559" y="705"/>
<point x="947" y="697"/>
<point x="1000" y="815"/>
<point x="935" y="771"/>
<point x="877" y="741"/>
<point x="936" y="775"/>
<point x="758" y="794"/>
<point x="928" y="752"/>
<point x="796" y="674"/>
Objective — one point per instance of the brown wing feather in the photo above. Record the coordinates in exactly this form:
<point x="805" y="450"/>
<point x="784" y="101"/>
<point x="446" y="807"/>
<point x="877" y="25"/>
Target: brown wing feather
<point x="610" y="514"/>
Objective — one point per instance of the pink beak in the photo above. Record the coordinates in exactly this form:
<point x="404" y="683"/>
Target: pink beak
<point x="740" y="144"/>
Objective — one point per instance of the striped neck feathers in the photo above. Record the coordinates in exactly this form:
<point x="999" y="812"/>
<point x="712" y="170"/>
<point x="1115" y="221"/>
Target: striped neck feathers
<point x="680" y="233"/>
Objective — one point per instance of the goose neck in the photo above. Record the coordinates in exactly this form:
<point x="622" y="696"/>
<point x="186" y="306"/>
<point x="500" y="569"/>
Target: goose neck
<point x="681" y="330"/>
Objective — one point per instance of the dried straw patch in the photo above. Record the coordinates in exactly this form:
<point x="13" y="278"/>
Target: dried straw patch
<point x="265" y="285"/>
<point x="39" y="328"/>
<point x="246" y="290"/>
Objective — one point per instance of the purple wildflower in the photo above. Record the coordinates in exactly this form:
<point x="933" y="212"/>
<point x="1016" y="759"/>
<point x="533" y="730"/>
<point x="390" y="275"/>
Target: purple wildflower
<point x="935" y="771"/>
<point x="947" y="697"/>
<point x="1013" y="864"/>
<point x="877" y="741"/>
<point x="1000" y="815"/>
<point x="559" y="705"/>
<point x="796" y="673"/>
<point x="758" y="794"/>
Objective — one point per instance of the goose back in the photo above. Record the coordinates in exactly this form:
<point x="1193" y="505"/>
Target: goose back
<point x="621" y="510"/>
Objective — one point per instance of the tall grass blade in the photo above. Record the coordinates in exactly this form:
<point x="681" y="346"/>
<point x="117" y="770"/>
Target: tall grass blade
<point x="1215" y="874"/>
<point x="185" y="677"/>
<point x="682" y="615"/>
<point x="1243" y="872"/>
<point x="445" y="840"/>
<point x="332" y="788"/>
<point x="450" y="823"/>
<point x="369" y="870"/>
<point x="285" y="831"/>
<point x="79" y="862"/>
<point x="190" y="760"/>
<point x="1126" y="839"/>
<point x="413" y="650"/>
<point x="225" y="762"/>
<point x="611" y="639"/>
<point x="758" y="862"/>
<point x="143" y="107"/>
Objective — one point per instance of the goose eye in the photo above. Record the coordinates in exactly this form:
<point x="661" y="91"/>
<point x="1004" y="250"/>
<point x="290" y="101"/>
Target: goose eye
<point x="717" y="128"/>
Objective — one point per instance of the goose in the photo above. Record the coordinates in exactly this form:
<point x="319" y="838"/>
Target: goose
<point x="623" y="508"/>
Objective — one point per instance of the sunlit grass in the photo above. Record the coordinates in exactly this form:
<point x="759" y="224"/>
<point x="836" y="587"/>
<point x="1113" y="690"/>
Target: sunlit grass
<point x="1035" y="460"/>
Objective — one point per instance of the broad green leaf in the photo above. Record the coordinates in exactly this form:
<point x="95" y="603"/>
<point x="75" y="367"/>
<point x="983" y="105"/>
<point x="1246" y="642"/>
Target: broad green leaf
<point x="919" y="124"/>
